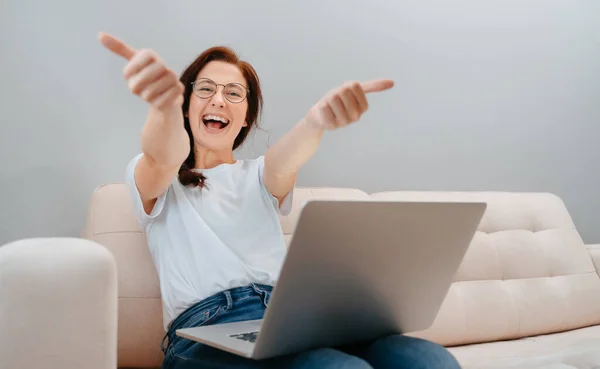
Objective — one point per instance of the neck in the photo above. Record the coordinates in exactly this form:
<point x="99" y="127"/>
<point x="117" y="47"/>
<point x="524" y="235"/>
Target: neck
<point x="206" y="158"/>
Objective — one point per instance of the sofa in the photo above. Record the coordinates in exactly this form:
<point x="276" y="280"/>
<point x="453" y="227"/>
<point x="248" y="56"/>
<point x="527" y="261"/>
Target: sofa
<point x="527" y="294"/>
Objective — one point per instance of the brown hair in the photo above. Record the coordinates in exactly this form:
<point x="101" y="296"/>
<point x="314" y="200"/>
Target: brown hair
<point x="187" y="177"/>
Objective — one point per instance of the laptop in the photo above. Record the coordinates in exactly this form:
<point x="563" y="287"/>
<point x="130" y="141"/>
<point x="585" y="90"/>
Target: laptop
<point x="355" y="271"/>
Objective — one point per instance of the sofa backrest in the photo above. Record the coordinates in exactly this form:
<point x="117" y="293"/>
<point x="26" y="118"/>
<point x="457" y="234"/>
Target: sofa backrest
<point x="526" y="272"/>
<point x="111" y="222"/>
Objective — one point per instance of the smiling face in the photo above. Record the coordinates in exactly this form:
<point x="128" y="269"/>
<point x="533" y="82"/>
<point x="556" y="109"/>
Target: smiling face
<point x="215" y="122"/>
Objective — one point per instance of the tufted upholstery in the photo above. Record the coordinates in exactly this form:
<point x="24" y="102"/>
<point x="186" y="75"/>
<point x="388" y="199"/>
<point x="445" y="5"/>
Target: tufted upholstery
<point x="527" y="273"/>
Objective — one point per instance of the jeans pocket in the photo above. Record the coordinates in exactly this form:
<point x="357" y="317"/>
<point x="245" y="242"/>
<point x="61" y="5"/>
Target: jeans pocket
<point x="205" y="317"/>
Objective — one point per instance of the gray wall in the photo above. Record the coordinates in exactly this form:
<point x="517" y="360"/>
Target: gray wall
<point x="491" y="95"/>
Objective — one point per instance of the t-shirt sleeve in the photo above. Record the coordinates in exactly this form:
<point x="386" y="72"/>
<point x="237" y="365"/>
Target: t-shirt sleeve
<point x="143" y="218"/>
<point x="286" y="205"/>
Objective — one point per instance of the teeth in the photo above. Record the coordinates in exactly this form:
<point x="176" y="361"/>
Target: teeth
<point x="217" y="118"/>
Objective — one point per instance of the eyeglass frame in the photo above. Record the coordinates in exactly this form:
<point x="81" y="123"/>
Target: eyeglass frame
<point x="216" y="90"/>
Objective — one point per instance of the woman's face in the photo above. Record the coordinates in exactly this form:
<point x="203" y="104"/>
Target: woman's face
<point x="216" y="121"/>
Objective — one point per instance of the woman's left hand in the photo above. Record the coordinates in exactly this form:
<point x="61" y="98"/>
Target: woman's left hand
<point x="344" y="105"/>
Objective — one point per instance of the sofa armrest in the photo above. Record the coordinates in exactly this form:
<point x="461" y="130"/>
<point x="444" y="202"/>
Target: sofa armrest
<point x="58" y="305"/>
<point x="594" y="251"/>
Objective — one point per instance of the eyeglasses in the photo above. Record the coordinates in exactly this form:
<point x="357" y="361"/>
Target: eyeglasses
<point x="206" y="88"/>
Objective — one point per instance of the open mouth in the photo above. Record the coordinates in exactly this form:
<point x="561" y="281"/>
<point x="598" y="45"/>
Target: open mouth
<point x="215" y="123"/>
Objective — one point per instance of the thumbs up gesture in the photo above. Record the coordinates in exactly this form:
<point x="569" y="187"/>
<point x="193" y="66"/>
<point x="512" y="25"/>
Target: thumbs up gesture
<point x="147" y="75"/>
<point x="345" y="104"/>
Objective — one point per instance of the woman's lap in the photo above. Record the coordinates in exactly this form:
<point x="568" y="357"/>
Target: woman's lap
<point x="396" y="351"/>
<point x="201" y="356"/>
<point x="399" y="352"/>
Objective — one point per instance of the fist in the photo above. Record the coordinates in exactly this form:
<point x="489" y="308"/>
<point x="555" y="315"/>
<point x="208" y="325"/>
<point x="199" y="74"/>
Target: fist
<point x="147" y="75"/>
<point x="345" y="104"/>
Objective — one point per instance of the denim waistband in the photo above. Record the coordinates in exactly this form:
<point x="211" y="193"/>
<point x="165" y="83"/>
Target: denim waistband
<point x="225" y="298"/>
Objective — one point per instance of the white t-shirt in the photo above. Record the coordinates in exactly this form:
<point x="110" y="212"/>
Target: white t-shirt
<point x="206" y="241"/>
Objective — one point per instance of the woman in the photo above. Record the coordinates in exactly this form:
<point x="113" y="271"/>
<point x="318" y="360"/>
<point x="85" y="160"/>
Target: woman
<point x="212" y="221"/>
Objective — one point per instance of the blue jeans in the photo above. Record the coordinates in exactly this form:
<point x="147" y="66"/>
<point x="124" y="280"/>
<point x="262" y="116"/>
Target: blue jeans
<point x="249" y="303"/>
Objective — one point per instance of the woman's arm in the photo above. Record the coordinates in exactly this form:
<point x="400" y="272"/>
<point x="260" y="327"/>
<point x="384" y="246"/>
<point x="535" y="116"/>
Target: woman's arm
<point x="165" y="142"/>
<point x="338" y="108"/>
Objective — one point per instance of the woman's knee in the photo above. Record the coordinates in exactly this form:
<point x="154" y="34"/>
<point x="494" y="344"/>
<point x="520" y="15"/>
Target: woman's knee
<point x="398" y="351"/>
<point x="327" y="358"/>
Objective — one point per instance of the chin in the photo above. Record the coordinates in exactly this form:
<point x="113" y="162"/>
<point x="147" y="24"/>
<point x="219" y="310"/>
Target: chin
<point x="215" y="144"/>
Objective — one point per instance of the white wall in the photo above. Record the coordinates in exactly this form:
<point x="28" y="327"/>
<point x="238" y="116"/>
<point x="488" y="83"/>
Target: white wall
<point x="491" y="95"/>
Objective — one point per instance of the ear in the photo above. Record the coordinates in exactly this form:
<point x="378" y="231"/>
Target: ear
<point x="245" y="124"/>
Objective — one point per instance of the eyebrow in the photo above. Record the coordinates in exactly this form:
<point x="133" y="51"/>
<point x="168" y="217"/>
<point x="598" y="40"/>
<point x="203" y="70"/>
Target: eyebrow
<point x="239" y="83"/>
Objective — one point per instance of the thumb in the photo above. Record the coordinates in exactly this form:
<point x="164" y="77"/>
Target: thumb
<point x="116" y="46"/>
<point x="377" y="85"/>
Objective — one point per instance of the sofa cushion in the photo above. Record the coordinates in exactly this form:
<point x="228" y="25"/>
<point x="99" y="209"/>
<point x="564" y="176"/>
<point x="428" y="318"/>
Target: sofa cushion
<point x="568" y="350"/>
<point x="527" y="271"/>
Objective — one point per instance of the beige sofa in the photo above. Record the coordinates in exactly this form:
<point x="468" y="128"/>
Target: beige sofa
<point x="527" y="294"/>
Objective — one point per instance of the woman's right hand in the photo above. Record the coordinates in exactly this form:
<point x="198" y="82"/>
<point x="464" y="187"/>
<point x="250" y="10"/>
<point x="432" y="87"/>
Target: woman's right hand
<point x="147" y="75"/>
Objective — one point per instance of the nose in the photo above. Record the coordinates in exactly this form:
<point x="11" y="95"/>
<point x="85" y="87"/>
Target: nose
<point x="218" y="99"/>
